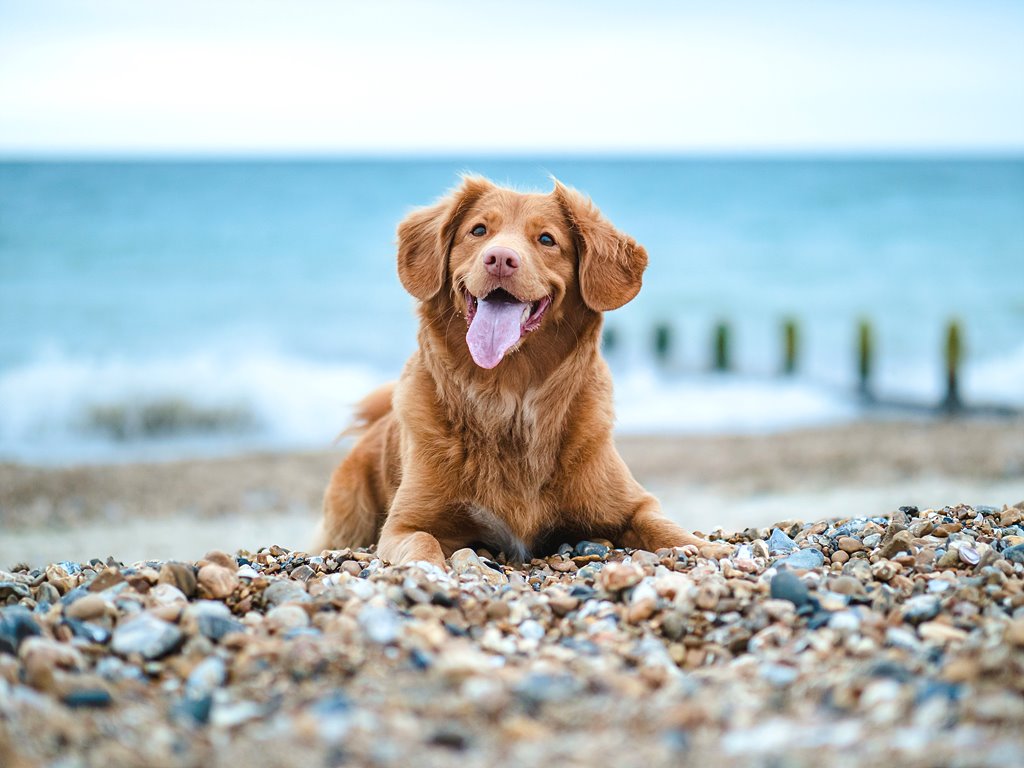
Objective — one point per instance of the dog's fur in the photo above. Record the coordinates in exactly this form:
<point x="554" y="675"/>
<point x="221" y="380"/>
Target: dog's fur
<point x="518" y="457"/>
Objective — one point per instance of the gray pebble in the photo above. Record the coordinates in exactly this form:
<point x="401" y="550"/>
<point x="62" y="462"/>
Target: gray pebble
<point x="1015" y="554"/>
<point x="588" y="548"/>
<point x="380" y="624"/>
<point x="804" y="559"/>
<point x="205" y="677"/>
<point x="146" y="635"/>
<point x="284" y="591"/>
<point x="779" y="542"/>
<point x="787" y="586"/>
<point x="16" y="623"/>
<point x="921" y="608"/>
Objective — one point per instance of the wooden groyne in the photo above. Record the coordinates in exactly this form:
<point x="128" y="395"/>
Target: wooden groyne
<point x="721" y="360"/>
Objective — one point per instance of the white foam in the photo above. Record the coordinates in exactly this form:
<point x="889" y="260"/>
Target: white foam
<point x="267" y="399"/>
<point x="646" y="402"/>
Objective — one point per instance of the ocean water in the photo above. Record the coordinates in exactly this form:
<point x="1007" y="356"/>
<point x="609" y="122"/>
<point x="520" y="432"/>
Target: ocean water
<point x="159" y="309"/>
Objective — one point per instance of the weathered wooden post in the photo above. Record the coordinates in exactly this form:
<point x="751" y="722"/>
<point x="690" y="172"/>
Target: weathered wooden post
<point x="954" y="357"/>
<point x="662" y="342"/>
<point x="865" y="355"/>
<point x="721" y="358"/>
<point x="789" y="345"/>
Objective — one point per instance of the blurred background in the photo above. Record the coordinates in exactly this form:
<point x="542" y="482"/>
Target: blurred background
<point x="198" y="204"/>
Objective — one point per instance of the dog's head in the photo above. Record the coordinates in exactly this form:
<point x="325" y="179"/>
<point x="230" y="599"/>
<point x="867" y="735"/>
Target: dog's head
<point x="515" y="263"/>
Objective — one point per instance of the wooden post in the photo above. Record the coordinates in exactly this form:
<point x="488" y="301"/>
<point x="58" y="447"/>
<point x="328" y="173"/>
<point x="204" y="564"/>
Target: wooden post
<point x="954" y="357"/>
<point x="865" y="355"/>
<point x="789" y="344"/>
<point x="721" y="358"/>
<point x="662" y="342"/>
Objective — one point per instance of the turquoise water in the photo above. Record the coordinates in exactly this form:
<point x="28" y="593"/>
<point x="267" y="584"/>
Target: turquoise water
<point x="267" y="290"/>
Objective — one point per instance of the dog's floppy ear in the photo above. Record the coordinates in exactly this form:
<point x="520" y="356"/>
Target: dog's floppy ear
<point x="611" y="263"/>
<point x="425" y="238"/>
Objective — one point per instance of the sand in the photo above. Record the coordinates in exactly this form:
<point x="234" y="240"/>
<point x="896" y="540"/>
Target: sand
<point x="183" y="509"/>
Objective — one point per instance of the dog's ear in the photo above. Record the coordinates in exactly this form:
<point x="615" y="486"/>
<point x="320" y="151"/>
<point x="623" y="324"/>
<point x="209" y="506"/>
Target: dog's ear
<point x="611" y="263"/>
<point x="425" y="238"/>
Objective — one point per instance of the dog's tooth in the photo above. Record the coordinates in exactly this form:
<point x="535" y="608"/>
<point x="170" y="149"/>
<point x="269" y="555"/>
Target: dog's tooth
<point x="526" y="314"/>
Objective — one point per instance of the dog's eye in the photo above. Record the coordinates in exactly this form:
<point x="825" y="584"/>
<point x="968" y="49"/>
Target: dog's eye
<point x="478" y="231"/>
<point x="546" y="239"/>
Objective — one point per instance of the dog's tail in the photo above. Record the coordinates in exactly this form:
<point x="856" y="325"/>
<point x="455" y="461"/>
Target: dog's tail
<point x="371" y="409"/>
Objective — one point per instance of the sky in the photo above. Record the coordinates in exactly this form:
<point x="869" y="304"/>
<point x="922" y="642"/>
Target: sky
<point x="87" y="77"/>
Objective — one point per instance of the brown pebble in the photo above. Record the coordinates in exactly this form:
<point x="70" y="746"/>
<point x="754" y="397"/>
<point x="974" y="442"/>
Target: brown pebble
<point x="641" y="610"/>
<point x="86" y="608"/>
<point x="850" y="545"/>
<point x="618" y="576"/>
<point x="562" y="604"/>
<point x="847" y="585"/>
<point x="938" y="631"/>
<point x="1011" y="516"/>
<point x="900" y="542"/>
<point x="180" y="575"/>
<point x="216" y="581"/>
<point x="106" y="579"/>
<point x="839" y="556"/>
<point x="884" y="570"/>
<point x="1015" y="633"/>
<point x="217" y="557"/>
<point x="497" y="610"/>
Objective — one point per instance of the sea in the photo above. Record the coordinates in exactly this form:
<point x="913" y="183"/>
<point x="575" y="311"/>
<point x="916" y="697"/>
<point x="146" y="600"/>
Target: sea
<point x="166" y="308"/>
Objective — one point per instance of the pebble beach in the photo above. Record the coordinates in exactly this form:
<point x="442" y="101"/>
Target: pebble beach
<point x="895" y="640"/>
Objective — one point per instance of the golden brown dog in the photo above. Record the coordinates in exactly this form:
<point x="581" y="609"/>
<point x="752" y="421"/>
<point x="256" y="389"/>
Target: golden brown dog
<point x="500" y="434"/>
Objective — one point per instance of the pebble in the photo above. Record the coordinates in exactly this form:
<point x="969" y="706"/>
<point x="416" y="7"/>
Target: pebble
<point x="284" y="618"/>
<point x="338" y="659"/>
<point x="16" y="624"/>
<point x="282" y="591"/>
<point x="381" y="624"/>
<point x="90" y="698"/>
<point x="212" y="619"/>
<point x="590" y="549"/>
<point x="899" y="542"/>
<point x="849" y="544"/>
<point x="1015" y="554"/>
<point x="803" y="559"/>
<point x="180" y="575"/>
<point x="615" y="577"/>
<point x="788" y="586"/>
<point x="147" y="636"/>
<point x="466" y="562"/>
<point x="779" y="542"/>
<point x="205" y="677"/>
<point x="217" y="581"/>
<point x="89" y="607"/>
<point x="921" y="608"/>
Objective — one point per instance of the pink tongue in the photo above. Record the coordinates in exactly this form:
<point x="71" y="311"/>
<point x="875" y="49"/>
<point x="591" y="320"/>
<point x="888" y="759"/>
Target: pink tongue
<point x="496" y="326"/>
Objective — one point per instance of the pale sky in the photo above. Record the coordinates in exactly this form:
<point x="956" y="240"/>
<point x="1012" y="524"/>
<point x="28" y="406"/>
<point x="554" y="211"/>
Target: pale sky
<point x="453" y="77"/>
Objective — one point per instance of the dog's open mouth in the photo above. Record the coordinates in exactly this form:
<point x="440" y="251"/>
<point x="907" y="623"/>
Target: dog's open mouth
<point x="497" y="322"/>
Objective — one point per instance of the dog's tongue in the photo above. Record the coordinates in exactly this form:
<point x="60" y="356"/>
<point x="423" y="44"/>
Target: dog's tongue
<point x="496" y="326"/>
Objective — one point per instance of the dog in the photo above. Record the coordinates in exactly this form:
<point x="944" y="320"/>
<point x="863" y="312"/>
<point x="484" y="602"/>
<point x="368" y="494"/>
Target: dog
<point x="499" y="430"/>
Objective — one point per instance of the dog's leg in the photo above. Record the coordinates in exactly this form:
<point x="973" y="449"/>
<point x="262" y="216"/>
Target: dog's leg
<point x="404" y="547"/>
<point x="649" y="529"/>
<point x="420" y="527"/>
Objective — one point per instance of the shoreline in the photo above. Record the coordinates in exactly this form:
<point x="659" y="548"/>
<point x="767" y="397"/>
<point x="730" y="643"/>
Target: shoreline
<point x="180" y="509"/>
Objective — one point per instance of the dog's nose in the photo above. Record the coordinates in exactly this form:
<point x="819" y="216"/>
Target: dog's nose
<point x="500" y="261"/>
